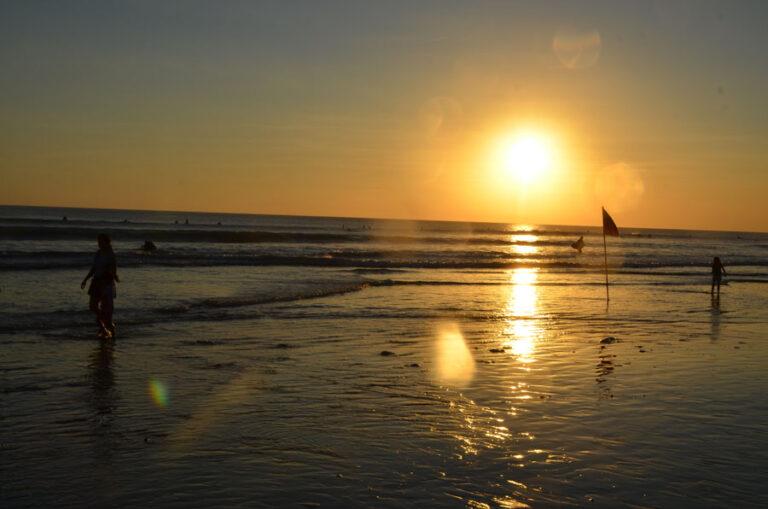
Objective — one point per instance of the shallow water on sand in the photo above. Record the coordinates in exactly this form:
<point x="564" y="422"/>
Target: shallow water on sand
<point x="448" y="388"/>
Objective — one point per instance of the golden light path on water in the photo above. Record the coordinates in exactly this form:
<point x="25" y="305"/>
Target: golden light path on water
<point x="522" y="304"/>
<point x="524" y="249"/>
<point x="522" y="329"/>
<point x="483" y="428"/>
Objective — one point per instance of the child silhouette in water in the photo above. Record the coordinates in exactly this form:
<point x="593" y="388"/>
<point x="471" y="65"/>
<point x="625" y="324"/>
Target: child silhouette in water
<point x="102" y="289"/>
<point x="718" y="271"/>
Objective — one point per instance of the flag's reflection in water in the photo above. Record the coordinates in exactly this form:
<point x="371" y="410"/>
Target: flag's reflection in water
<point x="522" y="329"/>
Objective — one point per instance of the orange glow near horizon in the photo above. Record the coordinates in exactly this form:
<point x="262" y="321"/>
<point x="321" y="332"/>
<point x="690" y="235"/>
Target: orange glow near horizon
<point x="515" y="113"/>
<point x="533" y="172"/>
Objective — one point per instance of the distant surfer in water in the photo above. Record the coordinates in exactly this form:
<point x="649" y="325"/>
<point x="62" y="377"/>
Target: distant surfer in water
<point x="102" y="289"/>
<point x="718" y="271"/>
<point x="579" y="244"/>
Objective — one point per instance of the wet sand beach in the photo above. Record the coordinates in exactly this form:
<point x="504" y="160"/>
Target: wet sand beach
<point x="303" y="405"/>
<point x="393" y="383"/>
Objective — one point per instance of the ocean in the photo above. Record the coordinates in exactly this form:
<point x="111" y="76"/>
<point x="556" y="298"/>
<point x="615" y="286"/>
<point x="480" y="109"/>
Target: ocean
<point x="338" y="362"/>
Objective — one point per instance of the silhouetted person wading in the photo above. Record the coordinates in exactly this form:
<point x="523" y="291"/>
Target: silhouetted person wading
<point x="718" y="271"/>
<point x="102" y="289"/>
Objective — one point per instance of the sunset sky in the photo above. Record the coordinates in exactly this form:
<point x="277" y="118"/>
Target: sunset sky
<point x="656" y="109"/>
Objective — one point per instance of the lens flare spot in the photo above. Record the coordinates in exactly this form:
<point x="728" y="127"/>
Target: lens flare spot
<point x="454" y="362"/>
<point x="577" y="49"/>
<point x="158" y="391"/>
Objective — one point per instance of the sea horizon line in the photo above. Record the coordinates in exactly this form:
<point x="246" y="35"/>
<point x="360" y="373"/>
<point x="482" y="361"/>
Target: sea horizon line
<point x="361" y="218"/>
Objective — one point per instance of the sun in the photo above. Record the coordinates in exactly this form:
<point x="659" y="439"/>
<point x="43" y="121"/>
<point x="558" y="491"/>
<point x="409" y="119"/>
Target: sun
<point x="529" y="161"/>
<point x="526" y="156"/>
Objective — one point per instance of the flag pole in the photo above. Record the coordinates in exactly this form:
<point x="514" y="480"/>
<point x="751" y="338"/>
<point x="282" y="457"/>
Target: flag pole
<point x="605" y="258"/>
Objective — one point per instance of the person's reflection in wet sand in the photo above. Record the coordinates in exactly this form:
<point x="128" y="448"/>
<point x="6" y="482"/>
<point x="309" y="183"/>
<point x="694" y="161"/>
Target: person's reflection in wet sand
<point x="103" y="400"/>
<point x="714" y="316"/>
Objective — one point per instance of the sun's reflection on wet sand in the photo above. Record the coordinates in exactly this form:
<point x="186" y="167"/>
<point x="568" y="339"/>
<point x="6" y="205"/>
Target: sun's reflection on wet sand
<point x="522" y="329"/>
<point x="521" y="333"/>
<point x="491" y="417"/>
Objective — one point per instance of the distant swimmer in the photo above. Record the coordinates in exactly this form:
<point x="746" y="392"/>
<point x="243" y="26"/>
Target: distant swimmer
<point x="149" y="246"/>
<point x="579" y="244"/>
<point x="102" y="288"/>
<point x="718" y="271"/>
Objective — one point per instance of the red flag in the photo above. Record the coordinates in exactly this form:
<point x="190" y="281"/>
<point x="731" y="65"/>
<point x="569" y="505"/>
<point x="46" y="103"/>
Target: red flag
<point x="609" y="227"/>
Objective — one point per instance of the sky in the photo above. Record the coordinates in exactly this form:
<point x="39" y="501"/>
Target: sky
<point x="396" y="109"/>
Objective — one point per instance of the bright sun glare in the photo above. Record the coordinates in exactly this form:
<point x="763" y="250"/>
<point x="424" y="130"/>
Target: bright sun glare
<point x="526" y="156"/>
